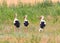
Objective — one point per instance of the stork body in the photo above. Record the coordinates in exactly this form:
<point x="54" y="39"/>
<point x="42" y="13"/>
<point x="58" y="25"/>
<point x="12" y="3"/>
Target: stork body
<point x="26" y="23"/>
<point x="16" y="22"/>
<point x="42" y="23"/>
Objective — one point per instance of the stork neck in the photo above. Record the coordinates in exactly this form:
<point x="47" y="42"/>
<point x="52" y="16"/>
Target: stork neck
<point x="25" y="19"/>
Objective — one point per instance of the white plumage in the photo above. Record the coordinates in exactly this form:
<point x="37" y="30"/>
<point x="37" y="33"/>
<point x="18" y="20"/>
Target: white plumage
<point x="42" y="23"/>
<point x="26" y="23"/>
<point x="16" y="22"/>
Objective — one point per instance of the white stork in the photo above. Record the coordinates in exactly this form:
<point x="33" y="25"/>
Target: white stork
<point x="16" y="22"/>
<point x="42" y="23"/>
<point x="26" y="23"/>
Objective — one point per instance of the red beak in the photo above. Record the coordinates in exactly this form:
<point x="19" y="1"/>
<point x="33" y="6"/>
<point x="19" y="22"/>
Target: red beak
<point x="24" y="16"/>
<point x="40" y="17"/>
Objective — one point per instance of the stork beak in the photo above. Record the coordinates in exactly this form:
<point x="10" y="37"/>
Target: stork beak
<point x="40" y="17"/>
<point x="24" y="16"/>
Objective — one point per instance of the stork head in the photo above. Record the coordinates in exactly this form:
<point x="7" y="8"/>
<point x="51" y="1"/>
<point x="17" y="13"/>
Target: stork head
<point x="15" y="15"/>
<point x="42" y="17"/>
<point x="25" y="16"/>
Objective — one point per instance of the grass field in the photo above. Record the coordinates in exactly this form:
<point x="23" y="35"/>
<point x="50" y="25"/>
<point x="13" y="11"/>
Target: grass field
<point x="51" y="33"/>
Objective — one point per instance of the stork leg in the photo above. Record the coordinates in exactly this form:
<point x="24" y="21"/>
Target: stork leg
<point x="14" y="28"/>
<point x="25" y="29"/>
<point x="18" y="30"/>
<point x="40" y="29"/>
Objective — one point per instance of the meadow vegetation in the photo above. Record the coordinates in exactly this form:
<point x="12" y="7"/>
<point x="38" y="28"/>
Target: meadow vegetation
<point x="31" y="35"/>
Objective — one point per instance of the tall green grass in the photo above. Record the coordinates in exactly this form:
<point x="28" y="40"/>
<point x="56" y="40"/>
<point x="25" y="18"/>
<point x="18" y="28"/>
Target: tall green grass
<point x="33" y="12"/>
